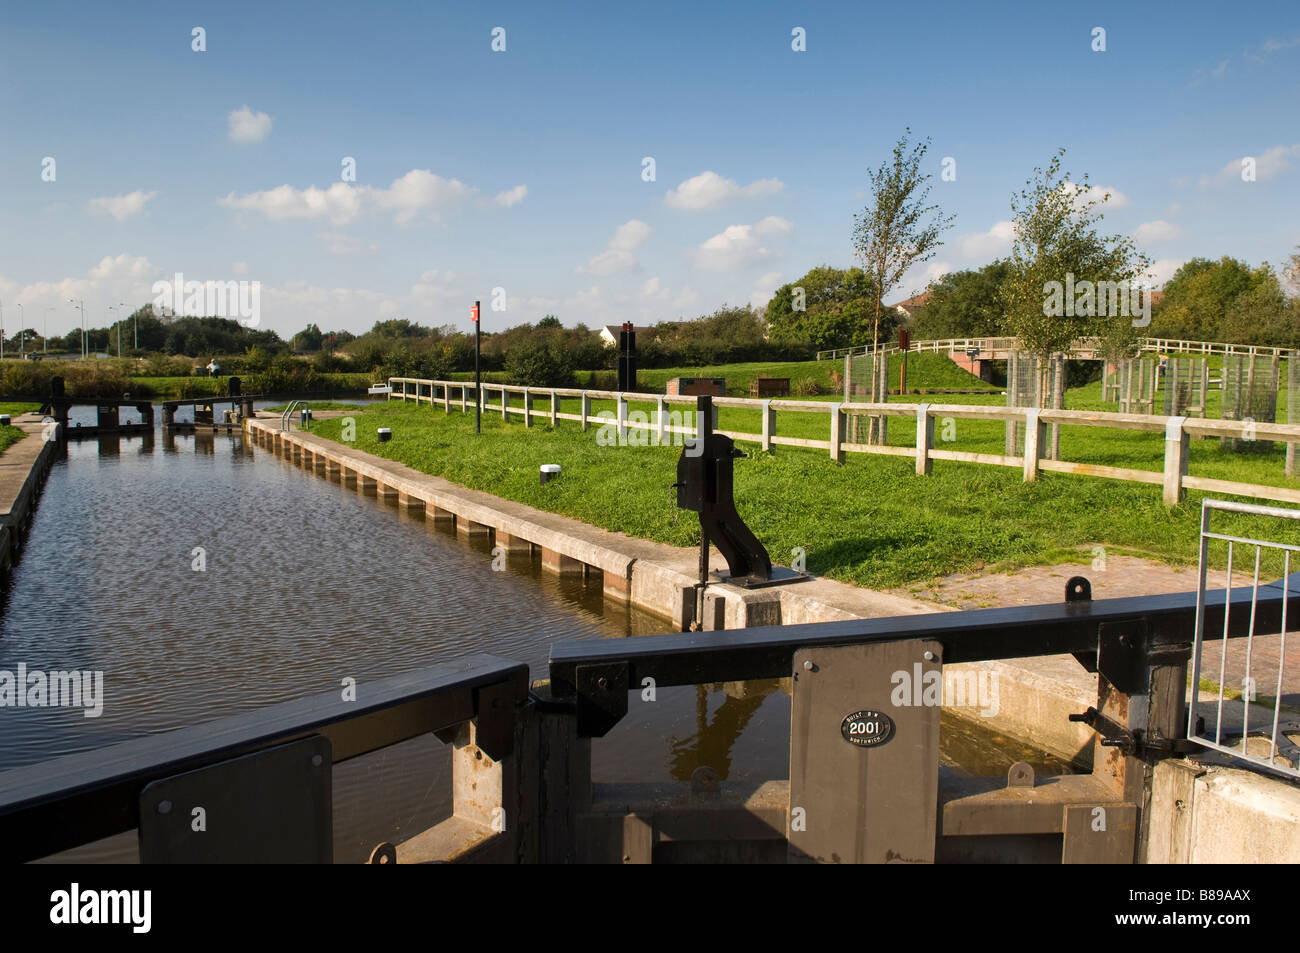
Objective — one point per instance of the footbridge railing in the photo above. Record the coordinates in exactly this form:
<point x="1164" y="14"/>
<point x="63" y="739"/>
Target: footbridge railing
<point x="997" y="348"/>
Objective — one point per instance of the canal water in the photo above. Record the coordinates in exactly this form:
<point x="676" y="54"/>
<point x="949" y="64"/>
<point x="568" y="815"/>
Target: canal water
<point x="205" y="577"/>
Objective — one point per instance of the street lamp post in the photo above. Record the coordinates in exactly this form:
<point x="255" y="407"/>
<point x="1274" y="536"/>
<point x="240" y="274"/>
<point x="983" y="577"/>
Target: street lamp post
<point x="81" y="303"/>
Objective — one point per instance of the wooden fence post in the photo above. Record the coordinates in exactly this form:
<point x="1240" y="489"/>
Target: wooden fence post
<point x="1035" y="440"/>
<point x="1176" y="455"/>
<point x="622" y="420"/>
<point x="555" y="409"/>
<point x="586" y="410"/>
<point x="659" y="416"/>
<point x="769" y="424"/>
<point x="837" y="433"/>
<point x="528" y="407"/>
<point x="924" y="439"/>
<point x="505" y="402"/>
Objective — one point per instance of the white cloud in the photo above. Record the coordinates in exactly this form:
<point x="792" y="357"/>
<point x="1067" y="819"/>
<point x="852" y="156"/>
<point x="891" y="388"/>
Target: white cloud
<point x="935" y="270"/>
<point x="1157" y="231"/>
<point x="340" y="203"/>
<point x="1161" y="271"/>
<point x="764" y="288"/>
<point x="436" y="284"/>
<point x="1220" y="70"/>
<point x="686" y="299"/>
<point x="245" y="126"/>
<point x="1096" y="193"/>
<point x="240" y="267"/>
<point x="510" y="196"/>
<point x="120" y="206"/>
<point x="651" y="288"/>
<point x="986" y="245"/>
<point x="740" y="245"/>
<point x="709" y="189"/>
<point x="415" y="192"/>
<point x="620" y="254"/>
<point x="1269" y="163"/>
<point x="340" y="243"/>
<point x="123" y="277"/>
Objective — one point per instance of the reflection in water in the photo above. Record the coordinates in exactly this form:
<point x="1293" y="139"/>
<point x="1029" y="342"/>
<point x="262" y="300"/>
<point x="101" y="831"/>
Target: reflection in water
<point x="307" y="582"/>
<point x="712" y="743"/>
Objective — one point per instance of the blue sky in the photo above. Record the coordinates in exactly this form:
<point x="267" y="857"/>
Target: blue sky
<point x="522" y="169"/>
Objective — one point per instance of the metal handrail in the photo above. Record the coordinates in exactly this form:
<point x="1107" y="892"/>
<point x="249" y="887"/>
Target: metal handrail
<point x="287" y="416"/>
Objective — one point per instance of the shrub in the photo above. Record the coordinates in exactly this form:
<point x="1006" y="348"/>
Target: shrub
<point x="540" y="364"/>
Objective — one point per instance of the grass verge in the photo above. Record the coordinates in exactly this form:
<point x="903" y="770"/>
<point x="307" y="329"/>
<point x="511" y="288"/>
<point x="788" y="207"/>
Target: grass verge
<point x="871" y="521"/>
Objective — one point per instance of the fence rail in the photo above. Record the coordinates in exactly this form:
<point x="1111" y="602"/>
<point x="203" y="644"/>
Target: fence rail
<point x="1084" y="347"/>
<point x="1173" y="478"/>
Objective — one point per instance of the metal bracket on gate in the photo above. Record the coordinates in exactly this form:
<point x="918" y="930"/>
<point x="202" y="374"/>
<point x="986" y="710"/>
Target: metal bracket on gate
<point x="493" y="721"/>
<point x="1079" y="589"/>
<point x="602" y="697"/>
<point x="1133" y="743"/>
<point x="1122" y="655"/>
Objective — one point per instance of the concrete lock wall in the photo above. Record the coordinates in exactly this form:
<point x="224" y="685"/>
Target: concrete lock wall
<point x="1222" y="815"/>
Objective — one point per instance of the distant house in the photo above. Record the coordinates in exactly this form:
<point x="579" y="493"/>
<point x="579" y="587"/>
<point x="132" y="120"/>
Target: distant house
<point x="609" y="333"/>
<point x="908" y="308"/>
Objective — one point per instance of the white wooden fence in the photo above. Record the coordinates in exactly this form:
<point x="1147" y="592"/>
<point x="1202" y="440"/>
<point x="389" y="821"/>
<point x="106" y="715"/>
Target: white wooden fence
<point x="1174" y="479"/>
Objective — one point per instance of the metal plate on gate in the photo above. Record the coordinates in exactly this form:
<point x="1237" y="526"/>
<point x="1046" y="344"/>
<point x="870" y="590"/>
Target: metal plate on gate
<point x="873" y="799"/>
<point x="273" y="806"/>
<point x="867" y="728"/>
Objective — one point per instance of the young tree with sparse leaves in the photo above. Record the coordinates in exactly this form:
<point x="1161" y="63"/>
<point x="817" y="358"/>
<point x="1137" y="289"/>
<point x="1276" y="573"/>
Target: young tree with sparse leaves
<point x="1056" y="235"/>
<point x="898" y="230"/>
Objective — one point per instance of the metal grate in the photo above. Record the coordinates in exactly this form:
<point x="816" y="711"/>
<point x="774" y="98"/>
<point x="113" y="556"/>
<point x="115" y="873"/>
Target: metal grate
<point x="1186" y="382"/>
<point x="1024" y="386"/>
<point x="867" y="381"/>
<point x="1293" y="388"/>
<point x="1250" y="386"/>
<point x="1137" y="385"/>
<point x="1278" y="755"/>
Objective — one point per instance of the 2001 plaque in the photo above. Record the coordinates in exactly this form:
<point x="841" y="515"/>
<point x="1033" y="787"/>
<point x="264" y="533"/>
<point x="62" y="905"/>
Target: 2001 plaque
<point x="867" y="728"/>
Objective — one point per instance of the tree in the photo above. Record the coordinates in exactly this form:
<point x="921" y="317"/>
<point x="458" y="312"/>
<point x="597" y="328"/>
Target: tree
<point x="1263" y="315"/>
<point x="550" y="321"/>
<point x="827" y="307"/>
<point x="540" y="363"/>
<point x="1057" y="246"/>
<point x="963" y="304"/>
<point x="1201" y="293"/>
<point x="310" y="338"/>
<point x="889" y="236"/>
<point x="1291" y="272"/>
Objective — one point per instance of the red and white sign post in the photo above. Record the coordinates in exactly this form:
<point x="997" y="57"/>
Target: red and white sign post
<point x="478" y="392"/>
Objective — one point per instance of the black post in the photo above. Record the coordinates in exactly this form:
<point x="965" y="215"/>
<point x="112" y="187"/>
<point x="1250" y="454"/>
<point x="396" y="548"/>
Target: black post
<point x="478" y="391"/>
<point x="703" y="431"/>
